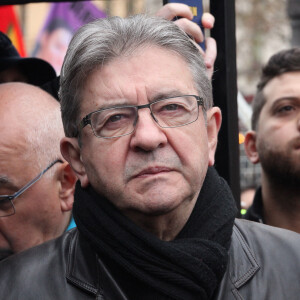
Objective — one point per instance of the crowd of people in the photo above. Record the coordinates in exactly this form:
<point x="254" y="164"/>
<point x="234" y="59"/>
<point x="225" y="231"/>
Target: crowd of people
<point x="124" y="143"/>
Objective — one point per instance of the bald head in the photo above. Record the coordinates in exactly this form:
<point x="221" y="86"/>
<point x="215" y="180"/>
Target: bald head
<point x="33" y="118"/>
<point x="31" y="130"/>
<point x="19" y="92"/>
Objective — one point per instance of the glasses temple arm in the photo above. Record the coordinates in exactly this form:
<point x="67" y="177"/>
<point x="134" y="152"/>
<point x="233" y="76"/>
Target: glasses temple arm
<point x="34" y="180"/>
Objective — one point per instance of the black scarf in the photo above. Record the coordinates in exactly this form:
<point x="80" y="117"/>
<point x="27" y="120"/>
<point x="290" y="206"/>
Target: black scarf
<point x="189" y="267"/>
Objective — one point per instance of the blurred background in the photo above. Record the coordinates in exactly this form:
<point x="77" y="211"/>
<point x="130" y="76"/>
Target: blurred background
<point x="262" y="28"/>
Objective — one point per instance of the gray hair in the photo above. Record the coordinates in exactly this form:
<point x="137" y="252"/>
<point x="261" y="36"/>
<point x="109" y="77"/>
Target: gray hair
<point x="99" y="42"/>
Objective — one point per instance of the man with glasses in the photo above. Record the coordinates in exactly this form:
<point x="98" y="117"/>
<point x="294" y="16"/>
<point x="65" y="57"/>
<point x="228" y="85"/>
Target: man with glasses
<point x="154" y="219"/>
<point x="36" y="184"/>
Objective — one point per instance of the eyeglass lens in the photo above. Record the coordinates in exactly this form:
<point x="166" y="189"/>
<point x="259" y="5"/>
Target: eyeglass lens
<point x="6" y="207"/>
<point x="171" y="112"/>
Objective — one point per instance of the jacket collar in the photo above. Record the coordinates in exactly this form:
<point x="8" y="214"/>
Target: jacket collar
<point x="245" y="266"/>
<point x="82" y="265"/>
<point x="88" y="272"/>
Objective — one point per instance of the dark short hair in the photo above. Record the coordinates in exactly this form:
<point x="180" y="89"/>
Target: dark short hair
<point x="280" y="63"/>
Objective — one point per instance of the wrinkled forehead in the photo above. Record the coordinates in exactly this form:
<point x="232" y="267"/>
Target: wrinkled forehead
<point x="137" y="79"/>
<point x="14" y="146"/>
<point x="16" y="165"/>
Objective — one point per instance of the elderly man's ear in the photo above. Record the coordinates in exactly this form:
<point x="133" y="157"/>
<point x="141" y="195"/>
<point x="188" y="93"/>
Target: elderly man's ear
<point x="71" y="152"/>
<point x="214" y="121"/>
<point x="250" y="147"/>
<point x="67" y="179"/>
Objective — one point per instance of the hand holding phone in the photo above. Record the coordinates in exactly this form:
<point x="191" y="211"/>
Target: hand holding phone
<point x="181" y="9"/>
<point x="196" y="8"/>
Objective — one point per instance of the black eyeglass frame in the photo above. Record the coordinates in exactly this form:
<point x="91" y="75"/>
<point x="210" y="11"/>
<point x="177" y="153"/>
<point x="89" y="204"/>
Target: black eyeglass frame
<point x="87" y="119"/>
<point x="25" y="187"/>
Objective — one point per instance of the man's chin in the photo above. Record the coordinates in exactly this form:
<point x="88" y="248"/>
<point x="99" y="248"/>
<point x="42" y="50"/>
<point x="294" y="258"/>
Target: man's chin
<point x="5" y="253"/>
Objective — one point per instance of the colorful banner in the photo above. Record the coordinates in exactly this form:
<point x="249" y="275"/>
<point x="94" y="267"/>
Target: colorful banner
<point x="9" y="24"/>
<point x="63" y="20"/>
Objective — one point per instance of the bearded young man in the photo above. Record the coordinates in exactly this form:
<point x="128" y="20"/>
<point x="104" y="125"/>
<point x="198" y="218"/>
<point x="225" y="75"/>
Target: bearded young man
<point x="154" y="219"/>
<point x="275" y="142"/>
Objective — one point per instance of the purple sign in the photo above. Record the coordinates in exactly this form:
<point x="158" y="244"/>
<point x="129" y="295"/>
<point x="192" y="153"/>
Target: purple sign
<point x="62" y="22"/>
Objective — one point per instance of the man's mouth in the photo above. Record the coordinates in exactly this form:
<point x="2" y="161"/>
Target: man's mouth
<point x="152" y="171"/>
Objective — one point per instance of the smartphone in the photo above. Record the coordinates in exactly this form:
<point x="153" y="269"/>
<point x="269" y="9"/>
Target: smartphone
<point x="197" y="10"/>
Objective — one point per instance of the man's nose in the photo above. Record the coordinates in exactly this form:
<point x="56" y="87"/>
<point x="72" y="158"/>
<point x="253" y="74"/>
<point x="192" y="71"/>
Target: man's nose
<point x="147" y="135"/>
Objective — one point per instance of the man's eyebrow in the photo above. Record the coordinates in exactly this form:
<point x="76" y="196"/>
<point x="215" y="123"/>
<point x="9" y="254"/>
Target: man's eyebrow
<point x="167" y="94"/>
<point x="158" y="96"/>
<point x="291" y="98"/>
<point x="7" y="182"/>
<point x="4" y="179"/>
<point x="277" y="101"/>
<point x="117" y="103"/>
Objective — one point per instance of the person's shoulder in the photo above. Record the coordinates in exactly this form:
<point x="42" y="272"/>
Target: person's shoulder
<point x="47" y="250"/>
<point x="33" y="264"/>
<point x="255" y="230"/>
<point x="263" y="261"/>
<point x="268" y="242"/>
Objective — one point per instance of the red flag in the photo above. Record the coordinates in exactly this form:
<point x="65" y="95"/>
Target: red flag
<point x="9" y="24"/>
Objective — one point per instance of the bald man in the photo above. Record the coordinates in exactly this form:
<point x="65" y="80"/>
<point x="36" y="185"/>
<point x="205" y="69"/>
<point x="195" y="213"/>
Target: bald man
<point x="36" y="184"/>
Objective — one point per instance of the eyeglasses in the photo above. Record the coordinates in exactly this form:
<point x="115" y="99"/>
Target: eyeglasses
<point x="7" y="207"/>
<point x="118" y="121"/>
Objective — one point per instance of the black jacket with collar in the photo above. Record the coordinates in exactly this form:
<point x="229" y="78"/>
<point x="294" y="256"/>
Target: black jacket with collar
<point x="264" y="263"/>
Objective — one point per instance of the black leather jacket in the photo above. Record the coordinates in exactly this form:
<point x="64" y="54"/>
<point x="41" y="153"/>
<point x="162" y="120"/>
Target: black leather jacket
<point x="264" y="263"/>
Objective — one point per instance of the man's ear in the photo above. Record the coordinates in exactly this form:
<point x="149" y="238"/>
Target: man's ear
<point x="214" y="120"/>
<point x="71" y="151"/>
<point x="67" y="179"/>
<point x="250" y="147"/>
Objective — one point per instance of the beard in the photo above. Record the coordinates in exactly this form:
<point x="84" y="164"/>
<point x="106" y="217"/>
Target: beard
<point x="282" y="167"/>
